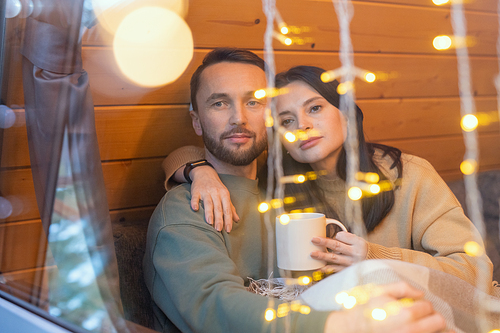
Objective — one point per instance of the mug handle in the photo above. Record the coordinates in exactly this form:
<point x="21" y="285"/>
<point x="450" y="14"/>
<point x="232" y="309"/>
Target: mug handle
<point x="332" y="221"/>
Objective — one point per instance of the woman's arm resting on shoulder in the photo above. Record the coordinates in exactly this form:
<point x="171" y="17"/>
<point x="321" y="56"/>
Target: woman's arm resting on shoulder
<point x="175" y="162"/>
<point x="206" y="186"/>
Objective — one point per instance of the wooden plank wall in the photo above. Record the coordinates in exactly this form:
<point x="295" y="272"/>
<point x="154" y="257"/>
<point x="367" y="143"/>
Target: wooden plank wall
<point x="416" y="108"/>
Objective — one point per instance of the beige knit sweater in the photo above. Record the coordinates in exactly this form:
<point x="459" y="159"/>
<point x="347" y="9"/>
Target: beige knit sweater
<point x="426" y="226"/>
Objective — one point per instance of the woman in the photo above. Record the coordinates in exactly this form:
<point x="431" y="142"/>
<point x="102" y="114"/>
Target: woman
<point x="418" y="221"/>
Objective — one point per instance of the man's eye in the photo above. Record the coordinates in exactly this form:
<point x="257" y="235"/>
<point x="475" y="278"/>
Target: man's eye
<point x="253" y="103"/>
<point x="218" y="104"/>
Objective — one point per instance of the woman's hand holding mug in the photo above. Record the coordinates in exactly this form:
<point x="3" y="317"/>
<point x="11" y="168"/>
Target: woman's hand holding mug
<point x="345" y="250"/>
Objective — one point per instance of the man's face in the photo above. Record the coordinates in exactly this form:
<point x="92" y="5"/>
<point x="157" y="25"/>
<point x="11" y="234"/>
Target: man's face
<point x="229" y="117"/>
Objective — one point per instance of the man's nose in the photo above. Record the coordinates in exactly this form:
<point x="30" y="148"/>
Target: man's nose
<point x="239" y="115"/>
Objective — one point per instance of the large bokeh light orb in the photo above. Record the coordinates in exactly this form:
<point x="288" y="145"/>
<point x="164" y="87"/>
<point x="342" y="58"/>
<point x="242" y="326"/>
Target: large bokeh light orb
<point x="110" y="13"/>
<point x="153" y="46"/>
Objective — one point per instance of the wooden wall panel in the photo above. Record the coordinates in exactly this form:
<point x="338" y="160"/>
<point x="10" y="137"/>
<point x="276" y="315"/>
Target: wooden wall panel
<point x="122" y="132"/>
<point x="446" y="153"/>
<point x="154" y="131"/>
<point x="129" y="184"/>
<point x="407" y="118"/>
<point x="20" y="243"/>
<point x="413" y="76"/>
<point x="409" y="76"/>
<point x="469" y="5"/>
<point x="394" y="28"/>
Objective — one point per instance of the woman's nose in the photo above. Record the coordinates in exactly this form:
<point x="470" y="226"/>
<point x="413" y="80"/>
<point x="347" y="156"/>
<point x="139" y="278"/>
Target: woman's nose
<point x="305" y="124"/>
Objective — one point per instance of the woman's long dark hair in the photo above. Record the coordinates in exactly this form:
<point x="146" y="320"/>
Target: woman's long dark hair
<point x="375" y="208"/>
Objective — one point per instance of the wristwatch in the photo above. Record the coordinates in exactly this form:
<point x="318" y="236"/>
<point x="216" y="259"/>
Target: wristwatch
<point x="191" y="165"/>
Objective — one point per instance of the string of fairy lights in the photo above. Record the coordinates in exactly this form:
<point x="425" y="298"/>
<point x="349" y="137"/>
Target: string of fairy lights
<point x="360" y="184"/>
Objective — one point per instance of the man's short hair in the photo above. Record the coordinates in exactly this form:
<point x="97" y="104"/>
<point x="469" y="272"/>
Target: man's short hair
<point x="222" y="54"/>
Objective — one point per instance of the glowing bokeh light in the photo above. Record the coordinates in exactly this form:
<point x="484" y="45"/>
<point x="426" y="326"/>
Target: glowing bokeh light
<point x="325" y="77"/>
<point x="270" y="314"/>
<point x="290" y="137"/>
<point x="284" y="30"/>
<point x="276" y="203"/>
<point x="354" y="193"/>
<point x="344" y="87"/>
<point x="442" y="42"/>
<point x="469" y="122"/>
<point x="486" y="118"/>
<point x="263" y="207"/>
<point x="288" y="41"/>
<point x="341" y="297"/>
<point x="295" y="306"/>
<point x="370" y="77"/>
<point x="473" y="249"/>
<point x="153" y="46"/>
<point x="299" y="179"/>
<point x="440" y="2"/>
<point x="379" y="314"/>
<point x="259" y="94"/>
<point x="304" y="280"/>
<point x="269" y="122"/>
<point x="284" y="219"/>
<point x="289" y="200"/>
<point x="302" y="135"/>
<point x="350" y="302"/>
<point x="375" y="189"/>
<point x="304" y="309"/>
<point x="372" y="177"/>
<point x="468" y="167"/>
<point x="311" y="175"/>
<point x="494" y="331"/>
<point x="283" y="310"/>
<point x="317" y="275"/>
<point x="110" y="13"/>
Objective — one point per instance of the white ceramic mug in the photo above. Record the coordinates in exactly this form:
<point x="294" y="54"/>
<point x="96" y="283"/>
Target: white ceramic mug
<point x="293" y="240"/>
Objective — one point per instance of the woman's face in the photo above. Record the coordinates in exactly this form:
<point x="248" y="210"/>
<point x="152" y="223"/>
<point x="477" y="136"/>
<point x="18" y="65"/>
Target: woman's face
<point x="303" y="108"/>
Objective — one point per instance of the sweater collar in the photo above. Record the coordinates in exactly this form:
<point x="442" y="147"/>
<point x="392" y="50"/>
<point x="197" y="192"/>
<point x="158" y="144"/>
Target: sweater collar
<point x="240" y="183"/>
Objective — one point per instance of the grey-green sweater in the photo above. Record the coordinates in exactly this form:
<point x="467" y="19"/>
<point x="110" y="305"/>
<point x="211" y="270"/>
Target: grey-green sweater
<point x="197" y="276"/>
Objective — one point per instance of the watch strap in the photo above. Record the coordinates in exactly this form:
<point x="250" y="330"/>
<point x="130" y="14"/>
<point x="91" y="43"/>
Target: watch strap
<point x="191" y="165"/>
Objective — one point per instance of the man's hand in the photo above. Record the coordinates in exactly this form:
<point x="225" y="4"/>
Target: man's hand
<point x="417" y="317"/>
<point x="346" y="249"/>
<point x="207" y="186"/>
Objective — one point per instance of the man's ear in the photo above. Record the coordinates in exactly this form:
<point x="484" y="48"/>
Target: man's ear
<point x="196" y="123"/>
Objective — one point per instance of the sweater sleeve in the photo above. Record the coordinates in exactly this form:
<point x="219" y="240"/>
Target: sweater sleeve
<point x="177" y="159"/>
<point x="198" y="286"/>
<point x="437" y="226"/>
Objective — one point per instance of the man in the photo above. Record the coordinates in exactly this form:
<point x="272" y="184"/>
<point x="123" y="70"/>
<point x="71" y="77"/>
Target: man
<point x="195" y="274"/>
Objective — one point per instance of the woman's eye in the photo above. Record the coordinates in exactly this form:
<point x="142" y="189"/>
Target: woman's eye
<point x="286" y="122"/>
<point x="316" y="108"/>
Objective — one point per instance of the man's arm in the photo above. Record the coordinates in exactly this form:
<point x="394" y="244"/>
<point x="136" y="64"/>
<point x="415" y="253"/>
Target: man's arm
<point x="197" y="285"/>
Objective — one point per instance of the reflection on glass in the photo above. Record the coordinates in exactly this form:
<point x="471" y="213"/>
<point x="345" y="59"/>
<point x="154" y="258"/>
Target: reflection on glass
<point x="73" y="291"/>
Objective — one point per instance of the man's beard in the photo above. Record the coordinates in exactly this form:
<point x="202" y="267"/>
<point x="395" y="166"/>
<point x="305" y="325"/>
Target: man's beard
<point x="236" y="157"/>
